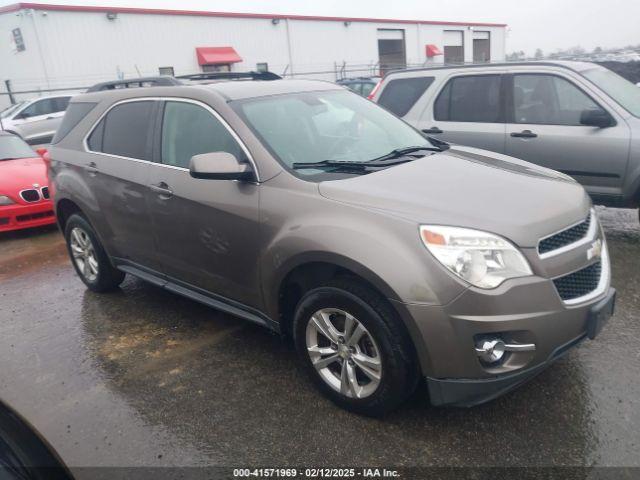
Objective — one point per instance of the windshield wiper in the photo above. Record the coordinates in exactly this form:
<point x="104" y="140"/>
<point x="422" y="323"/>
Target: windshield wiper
<point x="346" y="165"/>
<point x="401" y="152"/>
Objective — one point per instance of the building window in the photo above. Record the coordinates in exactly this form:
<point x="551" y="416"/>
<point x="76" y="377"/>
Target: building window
<point x="262" y="67"/>
<point x="481" y="47"/>
<point x="453" y="46"/>
<point x="391" y="50"/>
<point x="218" y="67"/>
<point x="166" y="71"/>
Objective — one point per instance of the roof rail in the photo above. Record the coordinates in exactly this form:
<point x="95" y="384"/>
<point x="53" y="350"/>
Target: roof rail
<point x="231" y="76"/>
<point x="159" y="81"/>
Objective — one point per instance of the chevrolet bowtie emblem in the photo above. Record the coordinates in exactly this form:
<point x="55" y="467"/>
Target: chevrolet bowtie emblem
<point x="595" y="250"/>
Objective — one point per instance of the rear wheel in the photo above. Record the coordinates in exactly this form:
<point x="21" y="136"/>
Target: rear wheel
<point x="353" y="347"/>
<point x="88" y="256"/>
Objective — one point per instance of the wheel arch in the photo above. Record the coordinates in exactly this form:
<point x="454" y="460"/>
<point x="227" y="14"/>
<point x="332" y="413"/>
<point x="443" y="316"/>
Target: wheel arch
<point x="64" y="209"/>
<point x="309" y="270"/>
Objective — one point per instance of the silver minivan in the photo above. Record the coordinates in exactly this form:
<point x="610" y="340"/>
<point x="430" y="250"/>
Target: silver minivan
<point x="575" y="117"/>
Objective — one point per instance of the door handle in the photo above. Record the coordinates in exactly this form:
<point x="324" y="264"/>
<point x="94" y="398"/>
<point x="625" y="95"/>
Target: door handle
<point x="432" y="130"/>
<point x="162" y="189"/>
<point x="524" y="134"/>
<point x="91" y="168"/>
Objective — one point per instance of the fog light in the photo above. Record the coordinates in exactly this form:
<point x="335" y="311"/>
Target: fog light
<point x="490" y="351"/>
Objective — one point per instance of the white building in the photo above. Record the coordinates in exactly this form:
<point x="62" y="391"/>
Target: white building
<point x="45" y="47"/>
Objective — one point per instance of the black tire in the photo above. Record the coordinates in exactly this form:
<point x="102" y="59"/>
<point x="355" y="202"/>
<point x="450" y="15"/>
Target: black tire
<point x="399" y="371"/>
<point x="107" y="277"/>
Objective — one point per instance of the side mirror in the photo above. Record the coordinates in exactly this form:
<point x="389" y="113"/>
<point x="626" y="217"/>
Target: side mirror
<point x="219" y="166"/>
<point x="41" y="151"/>
<point x="596" y="118"/>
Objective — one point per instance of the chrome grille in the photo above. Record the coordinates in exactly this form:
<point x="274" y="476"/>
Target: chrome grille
<point x="30" y="195"/>
<point x="580" y="283"/>
<point x="45" y="193"/>
<point x="565" y="237"/>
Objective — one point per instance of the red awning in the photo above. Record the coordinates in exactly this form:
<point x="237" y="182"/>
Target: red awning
<point x="217" y="55"/>
<point x="432" y="51"/>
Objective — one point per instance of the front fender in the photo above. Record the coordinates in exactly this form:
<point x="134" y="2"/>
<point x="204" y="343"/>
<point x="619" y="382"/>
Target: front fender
<point x="383" y="249"/>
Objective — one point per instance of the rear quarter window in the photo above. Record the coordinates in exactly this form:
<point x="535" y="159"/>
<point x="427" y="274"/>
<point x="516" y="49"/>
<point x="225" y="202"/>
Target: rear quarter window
<point x="401" y="94"/>
<point x="74" y="114"/>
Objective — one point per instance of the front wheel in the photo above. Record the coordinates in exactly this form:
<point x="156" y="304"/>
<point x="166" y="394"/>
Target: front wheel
<point x="354" y="348"/>
<point x="88" y="256"/>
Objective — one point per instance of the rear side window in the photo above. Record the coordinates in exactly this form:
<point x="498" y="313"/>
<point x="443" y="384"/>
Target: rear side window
<point x="401" y="94"/>
<point x="125" y="131"/>
<point x="75" y="113"/>
<point x="189" y="130"/>
<point x="474" y="98"/>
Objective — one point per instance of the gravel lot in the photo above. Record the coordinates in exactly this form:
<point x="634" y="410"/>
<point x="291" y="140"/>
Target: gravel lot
<point x="142" y="377"/>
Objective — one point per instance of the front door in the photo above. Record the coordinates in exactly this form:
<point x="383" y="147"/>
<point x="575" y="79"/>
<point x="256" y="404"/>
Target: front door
<point x="206" y="231"/>
<point x="544" y="128"/>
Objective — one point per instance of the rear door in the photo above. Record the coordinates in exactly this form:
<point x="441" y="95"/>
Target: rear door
<point x="117" y="173"/>
<point x="544" y="128"/>
<point x="207" y="231"/>
<point x="468" y="110"/>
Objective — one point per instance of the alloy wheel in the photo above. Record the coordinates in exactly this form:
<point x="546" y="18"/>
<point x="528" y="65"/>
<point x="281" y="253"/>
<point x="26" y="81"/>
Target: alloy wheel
<point x="344" y="353"/>
<point x="84" y="254"/>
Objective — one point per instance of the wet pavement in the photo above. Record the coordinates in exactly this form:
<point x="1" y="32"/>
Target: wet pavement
<point x="144" y="377"/>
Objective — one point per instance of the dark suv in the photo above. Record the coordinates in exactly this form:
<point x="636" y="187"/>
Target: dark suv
<point x="310" y="210"/>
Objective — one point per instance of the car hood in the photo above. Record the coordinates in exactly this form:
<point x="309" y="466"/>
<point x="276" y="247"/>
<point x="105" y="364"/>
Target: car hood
<point x="21" y="174"/>
<point x="471" y="188"/>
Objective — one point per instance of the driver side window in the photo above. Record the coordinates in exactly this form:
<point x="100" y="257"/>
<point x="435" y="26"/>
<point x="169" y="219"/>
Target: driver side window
<point x="548" y="100"/>
<point x="188" y="130"/>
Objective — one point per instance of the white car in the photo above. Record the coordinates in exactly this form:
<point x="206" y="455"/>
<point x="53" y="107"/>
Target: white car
<point x="37" y="120"/>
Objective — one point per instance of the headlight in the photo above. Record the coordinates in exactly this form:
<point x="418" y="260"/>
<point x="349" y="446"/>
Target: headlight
<point x="4" y="200"/>
<point x="480" y="258"/>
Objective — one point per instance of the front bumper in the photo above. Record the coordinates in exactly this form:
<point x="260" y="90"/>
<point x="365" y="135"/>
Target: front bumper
<point x="18" y="216"/>
<point x="470" y="392"/>
<point x="447" y="336"/>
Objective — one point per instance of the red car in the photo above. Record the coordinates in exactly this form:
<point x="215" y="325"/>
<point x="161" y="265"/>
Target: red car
<point x="24" y="190"/>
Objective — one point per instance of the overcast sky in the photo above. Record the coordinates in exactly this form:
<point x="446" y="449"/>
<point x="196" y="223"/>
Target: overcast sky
<point x="546" y="24"/>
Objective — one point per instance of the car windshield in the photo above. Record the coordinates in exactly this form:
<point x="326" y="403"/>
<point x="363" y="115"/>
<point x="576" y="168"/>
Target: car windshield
<point x="621" y="90"/>
<point x="12" y="147"/>
<point x="11" y="109"/>
<point x="330" y="127"/>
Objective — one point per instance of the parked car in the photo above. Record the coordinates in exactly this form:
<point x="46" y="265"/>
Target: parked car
<point x="24" y="190"/>
<point x="307" y="209"/>
<point x="24" y="453"/>
<point x="579" y="118"/>
<point x="361" y="85"/>
<point x="35" y="121"/>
